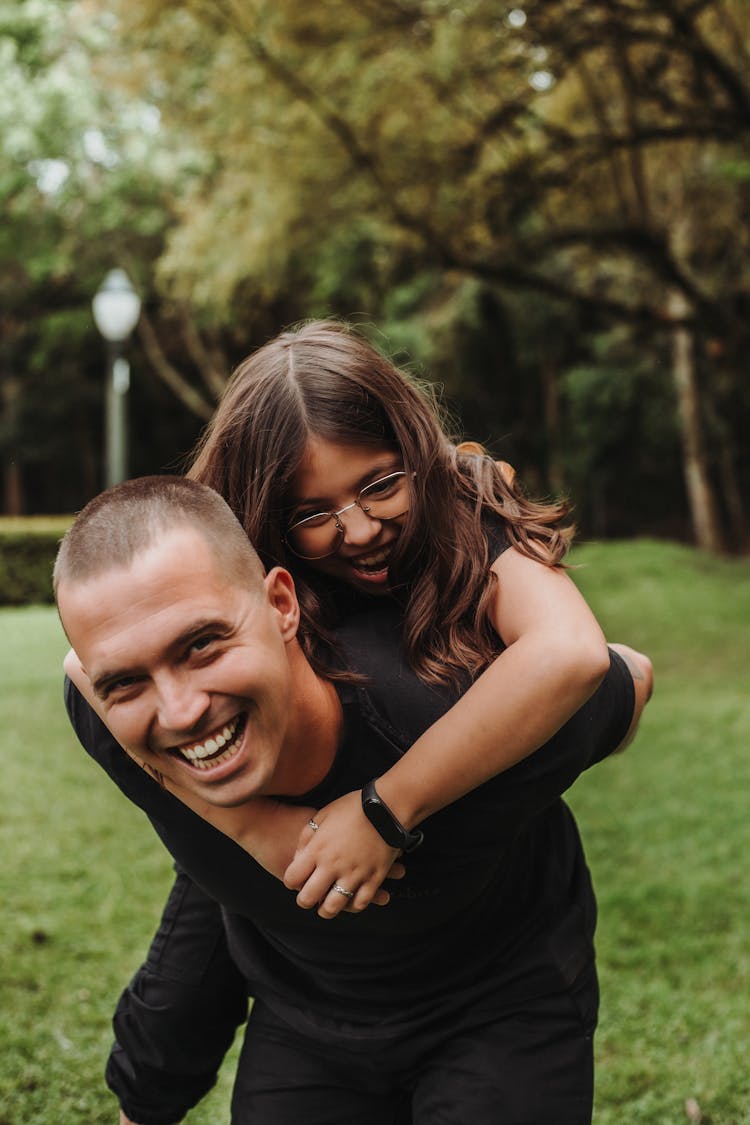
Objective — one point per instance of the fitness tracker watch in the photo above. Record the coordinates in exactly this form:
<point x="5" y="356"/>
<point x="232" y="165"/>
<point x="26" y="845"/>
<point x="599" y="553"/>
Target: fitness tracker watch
<point x="385" y="823"/>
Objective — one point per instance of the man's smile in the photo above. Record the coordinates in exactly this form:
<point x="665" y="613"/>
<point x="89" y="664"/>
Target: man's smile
<point x="221" y="745"/>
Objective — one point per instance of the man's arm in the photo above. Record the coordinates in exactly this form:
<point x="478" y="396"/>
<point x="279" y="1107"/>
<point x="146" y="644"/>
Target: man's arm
<point x="177" y="1017"/>
<point x="606" y="724"/>
<point x="642" y="671"/>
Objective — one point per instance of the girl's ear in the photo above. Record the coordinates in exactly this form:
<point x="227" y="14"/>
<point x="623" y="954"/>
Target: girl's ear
<point x="282" y="596"/>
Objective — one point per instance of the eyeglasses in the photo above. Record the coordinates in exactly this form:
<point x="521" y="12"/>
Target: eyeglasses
<point x="321" y="534"/>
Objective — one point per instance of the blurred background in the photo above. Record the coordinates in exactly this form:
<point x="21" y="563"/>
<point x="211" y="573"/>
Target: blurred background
<point x="544" y="208"/>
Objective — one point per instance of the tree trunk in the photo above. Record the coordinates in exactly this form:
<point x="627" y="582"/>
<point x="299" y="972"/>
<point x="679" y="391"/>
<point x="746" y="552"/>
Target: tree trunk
<point x="733" y="500"/>
<point x="551" y="394"/>
<point x="704" y="510"/>
<point x="13" y="497"/>
<point x="177" y="383"/>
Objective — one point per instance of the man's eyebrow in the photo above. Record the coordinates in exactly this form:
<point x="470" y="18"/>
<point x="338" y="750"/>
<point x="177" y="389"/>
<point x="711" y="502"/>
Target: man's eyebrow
<point x="195" y="630"/>
<point x="103" y="681"/>
<point x="198" y="628"/>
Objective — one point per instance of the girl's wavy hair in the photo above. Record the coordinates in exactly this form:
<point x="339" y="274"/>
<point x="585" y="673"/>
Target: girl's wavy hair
<point x="324" y="380"/>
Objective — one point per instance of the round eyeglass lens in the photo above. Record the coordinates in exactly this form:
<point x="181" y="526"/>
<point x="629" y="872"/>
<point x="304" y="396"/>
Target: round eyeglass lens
<point x="386" y="498"/>
<point x="315" y="537"/>
<point x="320" y="535"/>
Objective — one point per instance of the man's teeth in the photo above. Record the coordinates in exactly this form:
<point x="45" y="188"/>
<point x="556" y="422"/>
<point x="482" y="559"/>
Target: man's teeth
<point x="208" y="753"/>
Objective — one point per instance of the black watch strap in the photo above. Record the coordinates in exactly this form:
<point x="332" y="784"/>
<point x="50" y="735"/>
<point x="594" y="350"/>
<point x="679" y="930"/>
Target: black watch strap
<point x="383" y="820"/>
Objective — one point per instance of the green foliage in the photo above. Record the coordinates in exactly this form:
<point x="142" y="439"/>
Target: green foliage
<point x="82" y="189"/>
<point x="27" y="555"/>
<point x="549" y="147"/>
<point x="494" y="188"/>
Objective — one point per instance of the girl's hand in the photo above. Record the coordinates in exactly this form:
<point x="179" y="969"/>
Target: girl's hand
<point x="345" y="851"/>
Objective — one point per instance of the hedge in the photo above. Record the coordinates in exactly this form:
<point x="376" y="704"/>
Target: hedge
<point x="27" y="553"/>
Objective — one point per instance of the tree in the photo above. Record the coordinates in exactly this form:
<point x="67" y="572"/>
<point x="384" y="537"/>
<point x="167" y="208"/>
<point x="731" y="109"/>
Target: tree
<point x="83" y="188"/>
<point x="428" y="163"/>
<point x="551" y="150"/>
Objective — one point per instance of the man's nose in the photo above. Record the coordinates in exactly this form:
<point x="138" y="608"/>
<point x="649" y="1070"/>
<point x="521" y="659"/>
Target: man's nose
<point x="359" y="527"/>
<point x="182" y="704"/>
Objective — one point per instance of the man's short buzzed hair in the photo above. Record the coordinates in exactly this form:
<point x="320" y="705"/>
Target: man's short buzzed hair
<point x="129" y="518"/>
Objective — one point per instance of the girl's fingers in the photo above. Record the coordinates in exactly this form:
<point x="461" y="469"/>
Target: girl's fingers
<point x="306" y="835"/>
<point x="300" y="870"/>
<point x="313" y="890"/>
<point x="344" y="894"/>
<point x="336" y="901"/>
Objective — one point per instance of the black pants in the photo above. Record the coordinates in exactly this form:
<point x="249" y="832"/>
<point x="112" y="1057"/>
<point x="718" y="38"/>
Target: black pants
<point x="530" y="1065"/>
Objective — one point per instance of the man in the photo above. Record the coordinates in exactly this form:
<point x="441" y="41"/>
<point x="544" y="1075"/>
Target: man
<point x="471" y="997"/>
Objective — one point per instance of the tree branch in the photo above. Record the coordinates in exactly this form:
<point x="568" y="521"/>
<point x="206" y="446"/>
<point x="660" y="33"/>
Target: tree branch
<point x="211" y="365"/>
<point x="168" y="374"/>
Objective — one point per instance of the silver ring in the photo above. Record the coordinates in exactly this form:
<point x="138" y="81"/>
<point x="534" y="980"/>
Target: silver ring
<point x="341" y="891"/>
<point x="311" y="824"/>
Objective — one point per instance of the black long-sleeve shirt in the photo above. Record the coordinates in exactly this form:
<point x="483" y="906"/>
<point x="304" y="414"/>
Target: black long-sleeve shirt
<point x="497" y="903"/>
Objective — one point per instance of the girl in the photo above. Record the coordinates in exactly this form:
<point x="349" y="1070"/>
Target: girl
<point x="338" y="468"/>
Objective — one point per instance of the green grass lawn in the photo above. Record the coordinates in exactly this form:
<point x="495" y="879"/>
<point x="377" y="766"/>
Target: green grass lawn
<point x="81" y="885"/>
<point x="667" y="833"/>
<point x="666" y="829"/>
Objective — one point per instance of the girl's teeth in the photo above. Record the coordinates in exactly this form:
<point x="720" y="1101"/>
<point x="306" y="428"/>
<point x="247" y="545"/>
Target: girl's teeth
<point x="372" y="562"/>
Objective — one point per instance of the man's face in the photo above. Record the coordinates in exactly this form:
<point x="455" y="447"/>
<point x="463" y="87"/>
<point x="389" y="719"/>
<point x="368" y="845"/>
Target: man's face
<point x="190" y="670"/>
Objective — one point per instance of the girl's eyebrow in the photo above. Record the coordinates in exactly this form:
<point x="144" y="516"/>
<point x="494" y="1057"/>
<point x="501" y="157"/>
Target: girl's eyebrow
<point x="384" y="469"/>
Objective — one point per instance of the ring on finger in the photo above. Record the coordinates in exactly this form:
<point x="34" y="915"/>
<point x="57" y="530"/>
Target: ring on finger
<point x="313" y="824"/>
<point x="342" y="891"/>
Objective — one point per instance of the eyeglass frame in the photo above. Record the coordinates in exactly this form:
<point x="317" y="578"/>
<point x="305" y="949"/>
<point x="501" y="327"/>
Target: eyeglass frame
<point x="335" y="516"/>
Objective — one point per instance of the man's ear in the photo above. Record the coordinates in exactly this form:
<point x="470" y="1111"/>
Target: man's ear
<point x="282" y="596"/>
<point x="73" y="668"/>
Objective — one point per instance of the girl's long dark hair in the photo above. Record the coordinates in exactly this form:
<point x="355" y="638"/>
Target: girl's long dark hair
<point x="324" y="380"/>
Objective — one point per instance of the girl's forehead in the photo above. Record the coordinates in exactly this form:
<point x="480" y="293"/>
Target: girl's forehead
<point x="329" y="467"/>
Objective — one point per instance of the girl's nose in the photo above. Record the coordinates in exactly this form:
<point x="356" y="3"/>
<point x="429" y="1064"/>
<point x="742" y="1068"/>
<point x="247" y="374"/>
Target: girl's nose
<point x="359" y="528"/>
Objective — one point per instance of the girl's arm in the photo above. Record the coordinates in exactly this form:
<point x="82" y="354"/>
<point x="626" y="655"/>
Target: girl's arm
<point x="555" y="659"/>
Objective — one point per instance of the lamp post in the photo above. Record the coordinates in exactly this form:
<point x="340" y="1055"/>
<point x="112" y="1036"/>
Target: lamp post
<point x="116" y="308"/>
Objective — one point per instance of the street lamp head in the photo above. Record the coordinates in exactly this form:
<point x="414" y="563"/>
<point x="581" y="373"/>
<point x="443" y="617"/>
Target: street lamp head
<point x="116" y="307"/>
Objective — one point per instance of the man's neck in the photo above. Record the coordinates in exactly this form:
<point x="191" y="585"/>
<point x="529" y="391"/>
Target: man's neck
<point x="314" y="733"/>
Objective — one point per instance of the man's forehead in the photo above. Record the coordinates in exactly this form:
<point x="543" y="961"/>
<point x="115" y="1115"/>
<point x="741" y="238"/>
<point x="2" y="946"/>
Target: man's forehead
<point x="172" y="586"/>
<point x="181" y="549"/>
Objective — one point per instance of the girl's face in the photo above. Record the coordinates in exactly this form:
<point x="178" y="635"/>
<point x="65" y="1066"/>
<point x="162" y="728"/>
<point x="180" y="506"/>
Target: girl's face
<point x="329" y="479"/>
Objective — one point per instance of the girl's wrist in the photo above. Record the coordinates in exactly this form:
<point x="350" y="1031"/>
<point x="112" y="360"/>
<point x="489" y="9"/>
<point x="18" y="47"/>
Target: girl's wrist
<point x="396" y="796"/>
<point x="386" y="823"/>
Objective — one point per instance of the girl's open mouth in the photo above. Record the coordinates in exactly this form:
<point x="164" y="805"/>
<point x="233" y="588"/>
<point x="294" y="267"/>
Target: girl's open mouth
<point x="371" y="565"/>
